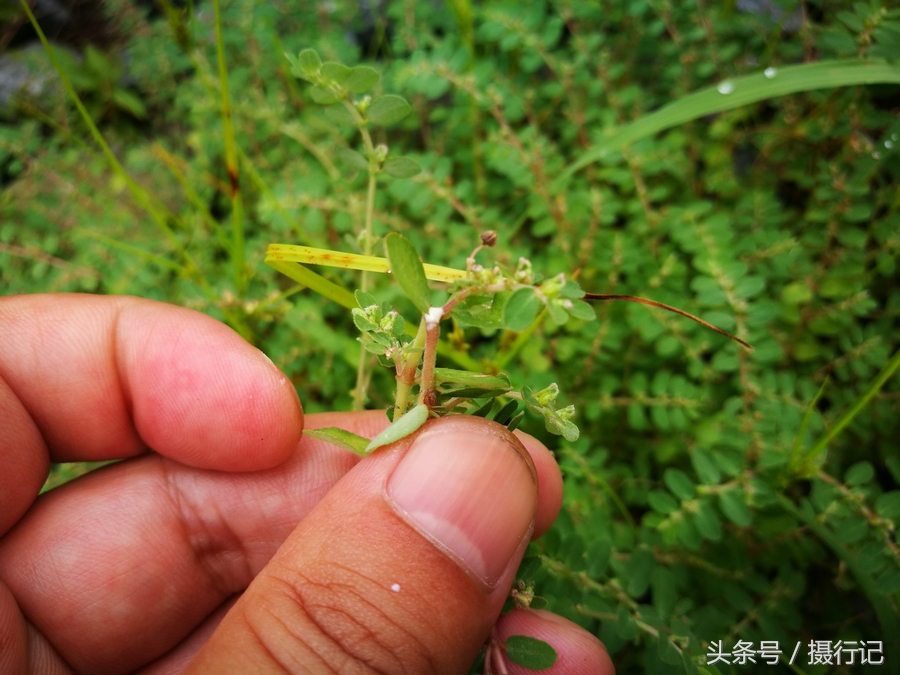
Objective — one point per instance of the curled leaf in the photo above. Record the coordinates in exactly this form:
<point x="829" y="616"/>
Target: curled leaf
<point x="341" y="438"/>
<point x="400" y="428"/>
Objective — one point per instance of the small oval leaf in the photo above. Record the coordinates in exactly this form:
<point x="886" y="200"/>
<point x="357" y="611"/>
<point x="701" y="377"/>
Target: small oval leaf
<point x="388" y="109"/>
<point x="309" y="62"/>
<point x="521" y="309"/>
<point x="530" y="652"/>
<point x="322" y="96"/>
<point x="361" y="79"/>
<point x="340" y="115"/>
<point x="400" y="428"/>
<point x="336" y="72"/>
<point x="406" y="266"/>
<point x="351" y="159"/>
<point x="402" y="167"/>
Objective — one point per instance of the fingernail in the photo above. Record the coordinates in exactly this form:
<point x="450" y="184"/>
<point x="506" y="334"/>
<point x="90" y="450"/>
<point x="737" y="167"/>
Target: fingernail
<point x="471" y="488"/>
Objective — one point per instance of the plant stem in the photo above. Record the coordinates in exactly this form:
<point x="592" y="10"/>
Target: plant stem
<point x="406" y="376"/>
<point x="359" y="393"/>
<point x="426" y="384"/>
<point x="231" y="164"/>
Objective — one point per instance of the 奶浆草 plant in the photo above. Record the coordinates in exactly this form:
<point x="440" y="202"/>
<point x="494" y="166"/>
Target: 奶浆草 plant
<point x="486" y="295"/>
<point x="706" y="154"/>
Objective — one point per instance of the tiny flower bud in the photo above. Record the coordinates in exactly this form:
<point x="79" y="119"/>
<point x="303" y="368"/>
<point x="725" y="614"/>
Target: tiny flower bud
<point x="489" y="238"/>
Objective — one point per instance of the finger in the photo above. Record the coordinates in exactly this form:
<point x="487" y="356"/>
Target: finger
<point x="402" y="567"/>
<point x="578" y="651"/>
<point x="176" y="660"/>
<point x="97" y="378"/>
<point x="118" y="567"/>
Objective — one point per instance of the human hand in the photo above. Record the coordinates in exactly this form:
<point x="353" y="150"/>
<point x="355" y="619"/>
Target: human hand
<point x="238" y="545"/>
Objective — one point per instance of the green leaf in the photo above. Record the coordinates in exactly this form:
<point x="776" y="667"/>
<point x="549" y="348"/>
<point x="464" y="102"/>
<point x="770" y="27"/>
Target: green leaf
<point x="530" y="653"/>
<point x="339" y="114"/>
<point x="373" y="347"/>
<point x="558" y="314"/>
<point x="506" y="413"/>
<point x="888" y="504"/>
<point x="406" y="266"/>
<point x="308" y="62"/>
<point x="400" y="428"/>
<point x="351" y="159"/>
<point x="557" y="425"/>
<point x="707" y="522"/>
<point x="859" y="473"/>
<point x="125" y="100"/>
<point x="514" y="424"/>
<point x="706" y="469"/>
<point x="389" y="109"/>
<point x="521" y="309"/>
<point x="735" y="508"/>
<point x="679" y="483"/>
<point x="482" y="310"/>
<point x="528" y="568"/>
<point x="322" y="96"/>
<point x="362" y="322"/>
<point x="640" y="568"/>
<point x="662" y="502"/>
<point x="336" y="72"/>
<point x="402" y="167"/>
<point x="582" y="310"/>
<point x="341" y="438"/>
<point x="468" y="384"/>
<point x="741" y="91"/>
<point x="364" y="299"/>
<point x="484" y="410"/>
<point x="666" y="650"/>
<point x="571" y="291"/>
<point x="361" y="79"/>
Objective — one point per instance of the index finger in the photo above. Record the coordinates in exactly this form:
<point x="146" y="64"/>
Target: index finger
<point x="87" y="378"/>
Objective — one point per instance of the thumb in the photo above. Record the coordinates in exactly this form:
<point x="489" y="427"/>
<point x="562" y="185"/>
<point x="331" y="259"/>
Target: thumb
<point x="401" y="568"/>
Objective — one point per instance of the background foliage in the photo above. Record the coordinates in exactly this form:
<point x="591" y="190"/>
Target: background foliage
<point x="698" y="505"/>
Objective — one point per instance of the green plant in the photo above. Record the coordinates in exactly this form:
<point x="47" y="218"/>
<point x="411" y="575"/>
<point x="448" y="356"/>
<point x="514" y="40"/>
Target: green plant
<point x="709" y="496"/>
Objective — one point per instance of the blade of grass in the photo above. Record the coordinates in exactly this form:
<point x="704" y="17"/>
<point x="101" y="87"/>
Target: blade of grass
<point x="351" y="261"/>
<point x="804" y="425"/>
<point x="315" y="282"/>
<point x="266" y="189"/>
<point x="165" y="263"/>
<point x="173" y="163"/>
<point x="855" y="409"/>
<point x="142" y="197"/>
<point x="741" y="91"/>
<point x="231" y="164"/>
<point x="343" y="297"/>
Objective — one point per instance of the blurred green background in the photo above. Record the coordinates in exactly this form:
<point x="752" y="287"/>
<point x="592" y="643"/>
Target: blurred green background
<point x="702" y="501"/>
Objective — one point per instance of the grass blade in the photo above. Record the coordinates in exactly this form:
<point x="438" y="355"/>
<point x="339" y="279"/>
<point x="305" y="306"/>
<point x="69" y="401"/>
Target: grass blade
<point x="231" y="164"/>
<point x="351" y="261"/>
<point x="857" y="406"/>
<point x="741" y="91"/>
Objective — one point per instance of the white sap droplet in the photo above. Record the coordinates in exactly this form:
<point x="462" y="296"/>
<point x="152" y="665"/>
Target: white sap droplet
<point x="876" y="155"/>
<point x="770" y="72"/>
<point x="395" y="588"/>
<point x="889" y="144"/>
<point x="726" y="88"/>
